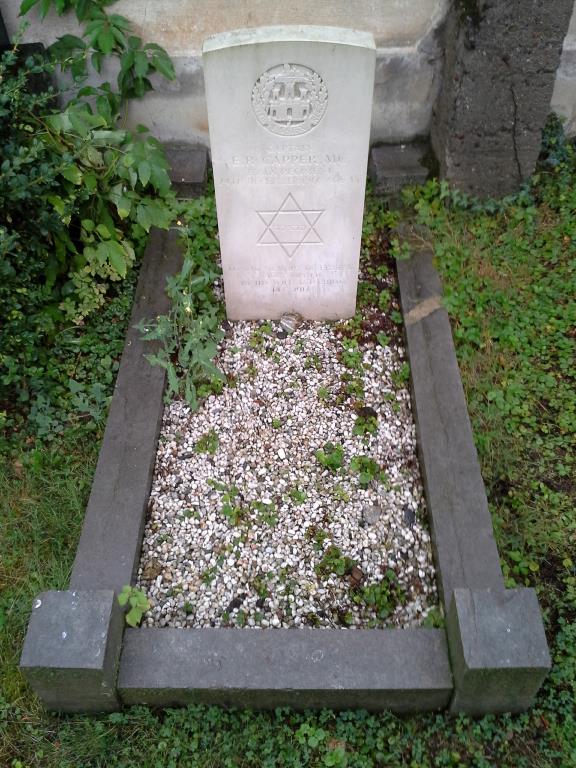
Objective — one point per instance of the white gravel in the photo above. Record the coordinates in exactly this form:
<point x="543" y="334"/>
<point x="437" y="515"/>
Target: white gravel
<point x="237" y="538"/>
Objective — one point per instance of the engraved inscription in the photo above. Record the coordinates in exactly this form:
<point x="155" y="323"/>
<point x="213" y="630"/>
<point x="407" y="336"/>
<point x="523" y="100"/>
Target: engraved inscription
<point x="290" y="166"/>
<point x="290" y="226"/>
<point x="289" y="99"/>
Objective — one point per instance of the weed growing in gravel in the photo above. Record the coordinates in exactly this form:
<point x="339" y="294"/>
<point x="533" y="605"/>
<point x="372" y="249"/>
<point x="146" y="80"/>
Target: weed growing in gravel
<point x="207" y="576"/>
<point x="297" y="495"/>
<point x="331" y="456"/>
<point x="381" y="597"/>
<point x="189" y="334"/>
<point x="313" y="361"/>
<point x="367" y="470"/>
<point x="234" y="512"/>
<point x="352" y="386"/>
<point x="402" y="376"/>
<point x="382" y="339"/>
<point x="138" y="602"/>
<point x="266" y="512"/>
<point x="333" y="561"/>
<point x="340" y="493"/>
<point x="351" y="354"/>
<point x="276" y="422"/>
<point x="260" y="335"/>
<point x="208" y="443"/>
<point x="366" y="422"/>
<point x="317" y="535"/>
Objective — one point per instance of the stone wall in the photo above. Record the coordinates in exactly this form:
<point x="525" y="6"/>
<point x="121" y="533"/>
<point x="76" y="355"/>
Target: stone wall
<point x="417" y="42"/>
<point x="501" y="60"/>
<point x="409" y="59"/>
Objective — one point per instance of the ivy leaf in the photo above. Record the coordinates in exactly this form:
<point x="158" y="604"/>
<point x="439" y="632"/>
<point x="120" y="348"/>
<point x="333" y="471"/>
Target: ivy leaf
<point x="115" y="255"/>
<point x="123" y="206"/>
<point x="160" y="179"/>
<point x="153" y="213"/>
<point x="140" y="63"/>
<point x="144" y="172"/>
<point x="72" y="173"/>
<point x="44" y="7"/>
<point x="162" y="64"/>
<point x="106" y="40"/>
<point x="26" y="5"/>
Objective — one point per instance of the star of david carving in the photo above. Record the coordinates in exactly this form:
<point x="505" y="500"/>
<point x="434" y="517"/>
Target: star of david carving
<point x="290" y="226"/>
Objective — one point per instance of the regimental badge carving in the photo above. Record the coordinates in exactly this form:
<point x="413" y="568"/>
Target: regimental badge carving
<point x="289" y="99"/>
<point x="290" y="226"/>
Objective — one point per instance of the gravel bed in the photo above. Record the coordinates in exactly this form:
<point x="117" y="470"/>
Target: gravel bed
<point x="262" y="514"/>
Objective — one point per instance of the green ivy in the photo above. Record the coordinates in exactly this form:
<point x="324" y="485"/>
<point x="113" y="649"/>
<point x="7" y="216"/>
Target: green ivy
<point x="103" y="36"/>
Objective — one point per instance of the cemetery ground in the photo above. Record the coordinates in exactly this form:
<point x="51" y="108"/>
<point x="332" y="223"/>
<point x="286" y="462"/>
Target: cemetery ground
<point x="509" y="286"/>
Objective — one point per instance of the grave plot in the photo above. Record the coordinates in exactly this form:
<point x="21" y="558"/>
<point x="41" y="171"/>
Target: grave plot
<point x="289" y="113"/>
<point x="294" y="497"/>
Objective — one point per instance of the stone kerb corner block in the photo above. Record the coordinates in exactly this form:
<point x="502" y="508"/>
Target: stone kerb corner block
<point x="72" y="650"/>
<point x="498" y="650"/>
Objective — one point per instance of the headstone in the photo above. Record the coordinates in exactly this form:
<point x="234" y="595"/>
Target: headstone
<point x="289" y="113"/>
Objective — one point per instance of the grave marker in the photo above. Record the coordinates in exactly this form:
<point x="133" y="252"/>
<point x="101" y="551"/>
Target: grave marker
<point x="289" y="112"/>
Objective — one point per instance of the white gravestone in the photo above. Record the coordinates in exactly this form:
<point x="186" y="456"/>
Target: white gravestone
<point x="289" y="115"/>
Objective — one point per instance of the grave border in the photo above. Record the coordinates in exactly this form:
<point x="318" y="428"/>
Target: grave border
<point x="496" y="664"/>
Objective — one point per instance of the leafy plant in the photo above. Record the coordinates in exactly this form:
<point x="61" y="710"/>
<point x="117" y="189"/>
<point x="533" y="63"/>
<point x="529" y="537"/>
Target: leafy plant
<point x="259" y="335"/>
<point x="333" y="561"/>
<point x="297" y="495"/>
<point x="351" y="354"/>
<point x="266" y="512"/>
<point x="331" y="456"/>
<point x="381" y="597"/>
<point x="189" y="334"/>
<point x="365" y="424"/>
<point x="104" y="36"/>
<point x="137" y="601"/>
<point x="234" y="511"/>
<point x="78" y="196"/>
<point x="368" y="470"/>
<point x="208" y="443"/>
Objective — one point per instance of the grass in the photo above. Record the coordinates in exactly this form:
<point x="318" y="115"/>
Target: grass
<point x="508" y="271"/>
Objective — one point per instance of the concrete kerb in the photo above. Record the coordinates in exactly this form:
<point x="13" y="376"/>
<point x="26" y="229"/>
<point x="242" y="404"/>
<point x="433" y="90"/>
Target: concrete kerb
<point x="403" y="670"/>
<point x="499" y="655"/>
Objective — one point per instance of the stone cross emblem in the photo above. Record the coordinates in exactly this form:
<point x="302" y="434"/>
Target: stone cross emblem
<point x="289" y="99"/>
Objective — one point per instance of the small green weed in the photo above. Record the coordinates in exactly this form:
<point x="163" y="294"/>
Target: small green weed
<point x="333" y="561"/>
<point x="367" y="470"/>
<point x="331" y="456"/>
<point x="297" y="495"/>
<point x="260" y="335"/>
<point x="382" y="597"/>
<point x="208" y="443"/>
<point x="351" y="354"/>
<point x="402" y="376"/>
<point x="233" y="511"/>
<point x="266" y="512"/>
<point x="138" y="602"/>
<point x="365" y="424"/>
